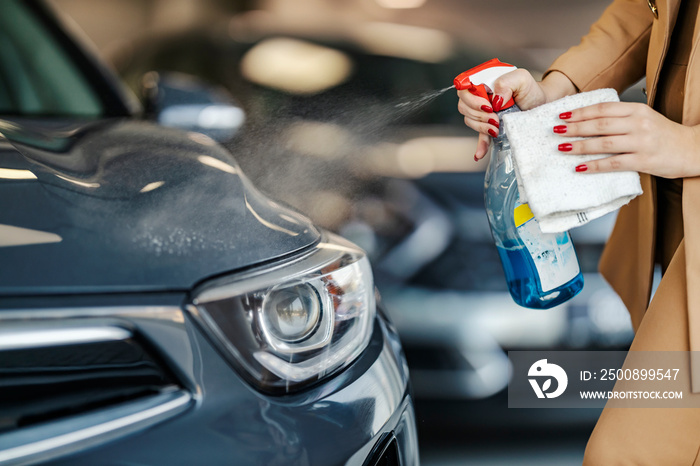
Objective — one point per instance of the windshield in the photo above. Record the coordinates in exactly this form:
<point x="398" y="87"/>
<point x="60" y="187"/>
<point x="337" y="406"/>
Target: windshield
<point x="38" y="77"/>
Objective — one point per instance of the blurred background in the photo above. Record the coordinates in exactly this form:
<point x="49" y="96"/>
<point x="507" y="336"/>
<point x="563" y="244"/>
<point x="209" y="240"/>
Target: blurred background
<point x="340" y="109"/>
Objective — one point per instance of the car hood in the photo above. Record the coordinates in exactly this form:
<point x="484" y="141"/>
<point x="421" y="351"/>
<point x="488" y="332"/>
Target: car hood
<point x="125" y="206"/>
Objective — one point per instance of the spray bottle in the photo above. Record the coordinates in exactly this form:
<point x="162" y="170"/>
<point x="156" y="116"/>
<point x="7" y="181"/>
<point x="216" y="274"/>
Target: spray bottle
<point x="541" y="269"/>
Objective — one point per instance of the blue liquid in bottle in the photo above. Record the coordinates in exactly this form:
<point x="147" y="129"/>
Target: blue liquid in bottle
<point x="541" y="269"/>
<point x="524" y="284"/>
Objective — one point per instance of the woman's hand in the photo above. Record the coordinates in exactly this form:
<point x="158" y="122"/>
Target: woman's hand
<point x="639" y="138"/>
<point x="479" y="113"/>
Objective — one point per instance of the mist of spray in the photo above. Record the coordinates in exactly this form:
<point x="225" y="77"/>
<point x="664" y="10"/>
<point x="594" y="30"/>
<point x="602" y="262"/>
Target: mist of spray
<point x="409" y="106"/>
<point x="267" y="154"/>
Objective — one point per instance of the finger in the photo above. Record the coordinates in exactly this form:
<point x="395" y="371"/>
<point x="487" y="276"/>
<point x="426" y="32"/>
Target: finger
<point x="616" y="163"/>
<point x="599" y="145"/>
<point x="602" y="110"/>
<point x="480" y="114"/>
<point x="482" y="146"/>
<point x="595" y="127"/>
<point x="490" y="127"/>
<point x="474" y="102"/>
<point x="480" y="120"/>
<point x="518" y="84"/>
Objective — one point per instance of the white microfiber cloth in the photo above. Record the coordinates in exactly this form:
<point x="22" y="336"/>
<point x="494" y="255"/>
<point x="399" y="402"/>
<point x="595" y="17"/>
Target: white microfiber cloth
<point x="560" y="198"/>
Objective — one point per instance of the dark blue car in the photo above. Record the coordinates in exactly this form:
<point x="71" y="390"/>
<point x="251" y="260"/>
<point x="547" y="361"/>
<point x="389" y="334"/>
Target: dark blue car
<point x="155" y="308"/>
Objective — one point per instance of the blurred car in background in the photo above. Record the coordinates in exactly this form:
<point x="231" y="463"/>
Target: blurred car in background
<point x="155" y="307"/>
<point x="455" y="314"/>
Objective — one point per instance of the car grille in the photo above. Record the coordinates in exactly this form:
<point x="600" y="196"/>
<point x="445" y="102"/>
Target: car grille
<point x="48" y="374"/>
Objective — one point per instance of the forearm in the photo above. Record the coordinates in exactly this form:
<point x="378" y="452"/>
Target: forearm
<point x="614" y="52"/>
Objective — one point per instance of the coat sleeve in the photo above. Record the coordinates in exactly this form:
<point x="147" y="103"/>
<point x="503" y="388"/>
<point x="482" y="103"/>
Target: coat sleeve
<point x="614" y="52"/>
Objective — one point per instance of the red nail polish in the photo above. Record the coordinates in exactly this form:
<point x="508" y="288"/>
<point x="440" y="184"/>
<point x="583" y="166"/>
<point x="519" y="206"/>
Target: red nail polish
<point x="581" y="168"/>
<point x="494" y="123"/>
<point x="497" y="103"/>
<point x="561" y="129"/>
<point x="566" y="147"/>
<point x="493" y="133"/>
<point x="476" y="159"/>
<point x="565" y="116"/>
<point x="487" y="109"/>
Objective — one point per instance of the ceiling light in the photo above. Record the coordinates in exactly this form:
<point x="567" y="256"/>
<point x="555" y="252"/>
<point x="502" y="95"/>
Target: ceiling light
<point x="400" y="4"/>
<point x="400" y="40"/>
<point x="295" y="66"/>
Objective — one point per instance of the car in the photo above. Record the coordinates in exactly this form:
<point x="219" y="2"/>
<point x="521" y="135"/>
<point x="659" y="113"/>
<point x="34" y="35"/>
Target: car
<point x="155" y="307"/>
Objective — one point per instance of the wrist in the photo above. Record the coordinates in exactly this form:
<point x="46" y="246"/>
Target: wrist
<point x="556" y="85"/>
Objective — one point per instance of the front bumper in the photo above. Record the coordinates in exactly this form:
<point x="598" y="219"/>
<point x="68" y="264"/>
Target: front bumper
<point x="219" y="419"/>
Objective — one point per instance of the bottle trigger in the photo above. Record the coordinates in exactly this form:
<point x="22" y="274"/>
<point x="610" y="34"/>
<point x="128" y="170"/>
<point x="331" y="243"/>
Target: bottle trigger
<point x="480" y="79"/>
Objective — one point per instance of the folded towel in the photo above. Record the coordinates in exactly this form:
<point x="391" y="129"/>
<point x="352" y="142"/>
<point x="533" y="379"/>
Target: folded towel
<point x="560" y="198"/>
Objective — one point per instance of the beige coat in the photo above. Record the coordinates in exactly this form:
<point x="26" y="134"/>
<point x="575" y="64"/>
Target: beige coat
<point x="627" y="43"/>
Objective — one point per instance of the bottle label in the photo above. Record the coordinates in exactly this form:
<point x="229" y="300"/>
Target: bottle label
<point x="553" y="253"/>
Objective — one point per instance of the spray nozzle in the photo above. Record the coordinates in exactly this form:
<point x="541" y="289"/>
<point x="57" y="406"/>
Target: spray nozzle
<point x="479" y="80"/>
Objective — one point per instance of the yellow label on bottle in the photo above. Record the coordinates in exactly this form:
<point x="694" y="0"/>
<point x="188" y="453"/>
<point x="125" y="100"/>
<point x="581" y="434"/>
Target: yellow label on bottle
<point x="522" y="214"/>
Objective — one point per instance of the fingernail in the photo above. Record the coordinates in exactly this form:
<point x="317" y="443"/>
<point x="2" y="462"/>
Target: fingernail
<point x="566" y="147"/>
<point x="565" y="116"/>
<point x="493" y="133"/>
<point x="476" y="159"/>
<point x="494" y="123"/>
<point x="487" y="109"/>
<point x="581" y="168"/>
<point x="561" y="129"/>
<point x="497" y="103"/>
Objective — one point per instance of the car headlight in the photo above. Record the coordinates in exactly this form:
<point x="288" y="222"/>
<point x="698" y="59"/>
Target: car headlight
<point x="287" y="326"/>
